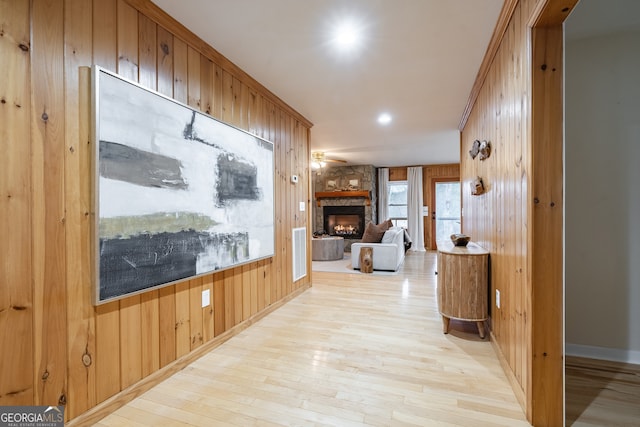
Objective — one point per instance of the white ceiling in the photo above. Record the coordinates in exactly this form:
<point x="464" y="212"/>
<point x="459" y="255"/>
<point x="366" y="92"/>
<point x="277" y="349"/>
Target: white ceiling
<point x="418" y="62"/>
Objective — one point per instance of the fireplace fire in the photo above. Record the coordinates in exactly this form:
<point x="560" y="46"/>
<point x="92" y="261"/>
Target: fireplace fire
<point x="344" y="221"/>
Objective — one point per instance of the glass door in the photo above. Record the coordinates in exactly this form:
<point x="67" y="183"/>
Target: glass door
<point x="446" y="212"/>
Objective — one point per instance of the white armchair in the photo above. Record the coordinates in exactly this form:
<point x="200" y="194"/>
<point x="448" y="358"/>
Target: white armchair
<point x="387" y="255"/>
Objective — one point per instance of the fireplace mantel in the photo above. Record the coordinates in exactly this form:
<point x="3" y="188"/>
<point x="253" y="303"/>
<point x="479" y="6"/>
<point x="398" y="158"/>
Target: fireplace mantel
<point x="339" y="194"/>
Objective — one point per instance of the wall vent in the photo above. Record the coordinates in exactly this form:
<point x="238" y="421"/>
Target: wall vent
<point x="299" y="244"/>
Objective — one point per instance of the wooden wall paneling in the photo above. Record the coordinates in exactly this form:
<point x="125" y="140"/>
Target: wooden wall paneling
<point x="229" y="296"/>
<point x="253" y="285"/>
<point x="271" y="125"/>
<point x="130" y="341"/>
<point x="547" y="358"/>
<point x="519" y="308"/>
<point x="48" y="157"/>
<point x="268" y="279"/>
<point x="398" y="174"/>
<point x="208" y="311"/>
<point x="237" y="296"/>
<point x="107" y="356"/>
<point x="150" y="309"/>
<point x="104" y="33"/>
<point x="281" y="201"/>
<point x="254" y="112"/>
<point x="261" y="285"/>
<point x="206" y="85"/>
<point x="164" y="61"/>
<point x="304" y="188"/>
<point x="217" y="92"/>
<point x="183" y="322"/>
<point x="290" y="159"/>
<point x="148" y="51"/>
<point x="219" y="304"/>
<point x="195" y="313"/>
<point x="130" y="308"/>
<point x="288" y="210"/>
<point x="127" y="33"/>
<point x="524" y="208"/>
<point x="16" y="292"/>
<point x="150" y="337"/>
<point x="236" y="108"/>
<point x="246" y="291"/>
<point x="78" y="189"/>
<point x="291" y="199"/>
<point x="180" y="71"/>
<point x="227" y="98"/>
<point x="243" y="106"/>
<point x="167" y="325"/>
<point x="193" y="78"/>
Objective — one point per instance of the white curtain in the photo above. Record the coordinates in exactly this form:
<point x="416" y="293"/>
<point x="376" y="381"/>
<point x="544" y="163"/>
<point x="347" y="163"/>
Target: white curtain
<point x="414" y="208"/>
<point x="383" y="194"/>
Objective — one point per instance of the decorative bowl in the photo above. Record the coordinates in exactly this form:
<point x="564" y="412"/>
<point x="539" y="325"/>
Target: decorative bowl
<point x="460" y="239"/>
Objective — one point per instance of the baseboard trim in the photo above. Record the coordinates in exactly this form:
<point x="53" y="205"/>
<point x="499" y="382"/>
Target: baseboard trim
<point x="120" y="399"/>
<point x="603" y="353"/>
<point x="518" y="391"/>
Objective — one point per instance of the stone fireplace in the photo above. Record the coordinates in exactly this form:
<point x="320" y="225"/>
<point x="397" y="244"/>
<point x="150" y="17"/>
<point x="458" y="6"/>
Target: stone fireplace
<point x="339" y="179"/>
<point x="344" y="221"/>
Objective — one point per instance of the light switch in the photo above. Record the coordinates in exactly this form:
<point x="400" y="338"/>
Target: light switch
<point x="302" y="206"/>
<point x="206" y="298"/>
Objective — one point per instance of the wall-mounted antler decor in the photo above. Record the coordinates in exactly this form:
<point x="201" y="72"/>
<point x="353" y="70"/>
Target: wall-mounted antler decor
<point x="477" y="187"/>
<point x="475" y="149"/>
<point x="480" y="147"/>
<point x="485" y="150"/>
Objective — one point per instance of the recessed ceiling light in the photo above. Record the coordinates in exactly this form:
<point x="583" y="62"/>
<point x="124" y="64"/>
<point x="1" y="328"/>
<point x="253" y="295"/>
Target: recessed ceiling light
<point x="347" y="35"/>
<point x="384" y="118"/>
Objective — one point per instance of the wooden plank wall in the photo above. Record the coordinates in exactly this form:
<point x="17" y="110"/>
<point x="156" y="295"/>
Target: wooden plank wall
<point x="57" y="348"/>
<point x="520" y="218"/>
<point x="499" y="219"/>
<point x="429" y="173"/>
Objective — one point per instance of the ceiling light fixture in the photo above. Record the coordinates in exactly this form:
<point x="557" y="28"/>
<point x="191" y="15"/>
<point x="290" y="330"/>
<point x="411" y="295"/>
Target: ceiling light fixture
<point x="384" y="118"/>
<point x="347" y="35"/>
<point x="318" y="160"/>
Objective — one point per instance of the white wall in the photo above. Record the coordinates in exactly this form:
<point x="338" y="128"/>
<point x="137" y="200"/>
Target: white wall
<point x="602" y="177"/>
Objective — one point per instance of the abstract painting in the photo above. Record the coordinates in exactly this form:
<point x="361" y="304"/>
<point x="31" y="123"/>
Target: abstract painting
<point x="178" y="194"/>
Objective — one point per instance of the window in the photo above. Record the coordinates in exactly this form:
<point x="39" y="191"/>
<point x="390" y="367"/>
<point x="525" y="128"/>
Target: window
<point x="398" y="203"/>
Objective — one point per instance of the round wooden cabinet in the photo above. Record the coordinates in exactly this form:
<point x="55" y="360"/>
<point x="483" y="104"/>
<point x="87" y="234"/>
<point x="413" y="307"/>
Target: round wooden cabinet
<point x="463" y="274"/>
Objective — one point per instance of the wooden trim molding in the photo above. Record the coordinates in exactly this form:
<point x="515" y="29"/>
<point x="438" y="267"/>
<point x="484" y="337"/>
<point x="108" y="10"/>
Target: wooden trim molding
<point x="504" y="18"/>
<point x="340" y="194"/>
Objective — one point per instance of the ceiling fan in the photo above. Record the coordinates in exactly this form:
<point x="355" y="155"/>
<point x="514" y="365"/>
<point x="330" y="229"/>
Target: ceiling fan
<point x="320" y="160"/>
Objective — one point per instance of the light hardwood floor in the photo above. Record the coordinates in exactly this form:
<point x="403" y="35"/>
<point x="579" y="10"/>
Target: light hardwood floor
<point x="354" y="350"/>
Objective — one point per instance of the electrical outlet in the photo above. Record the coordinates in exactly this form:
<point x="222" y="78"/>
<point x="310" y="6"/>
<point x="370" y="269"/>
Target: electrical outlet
<point x="497" y="298"/>
<point x="206" y="298"/>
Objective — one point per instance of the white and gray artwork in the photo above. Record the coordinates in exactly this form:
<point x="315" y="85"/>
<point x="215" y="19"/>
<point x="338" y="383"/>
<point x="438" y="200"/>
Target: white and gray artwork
<point x="179" y="194"/>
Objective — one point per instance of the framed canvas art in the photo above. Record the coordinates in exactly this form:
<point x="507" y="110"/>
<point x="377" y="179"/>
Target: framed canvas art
<point x="178" y="194"/>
